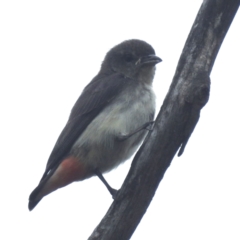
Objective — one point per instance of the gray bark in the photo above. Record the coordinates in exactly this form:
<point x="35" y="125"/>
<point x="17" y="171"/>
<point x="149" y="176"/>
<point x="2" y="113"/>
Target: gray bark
<point x="175" y="123"/>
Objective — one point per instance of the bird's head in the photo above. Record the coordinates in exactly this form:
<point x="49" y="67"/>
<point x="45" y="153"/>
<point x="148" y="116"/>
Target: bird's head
<point x="132" y="58"/>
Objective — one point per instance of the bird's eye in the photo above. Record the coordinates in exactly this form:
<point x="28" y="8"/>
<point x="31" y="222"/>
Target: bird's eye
<point x="128" y="57"/>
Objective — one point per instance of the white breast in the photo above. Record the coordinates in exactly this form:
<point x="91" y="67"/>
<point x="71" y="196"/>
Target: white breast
<point x="99" y="146"/>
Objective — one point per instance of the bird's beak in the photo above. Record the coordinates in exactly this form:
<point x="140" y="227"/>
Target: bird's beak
<point x="149" y="60"/>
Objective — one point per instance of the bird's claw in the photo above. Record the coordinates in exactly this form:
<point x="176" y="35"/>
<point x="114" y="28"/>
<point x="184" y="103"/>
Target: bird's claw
<point x="114" y="193"/>
<point x="149" y="126"/>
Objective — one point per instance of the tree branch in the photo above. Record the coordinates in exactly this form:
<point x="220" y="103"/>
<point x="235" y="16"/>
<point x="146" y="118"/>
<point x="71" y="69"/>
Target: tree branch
<point x="176" y="121"/>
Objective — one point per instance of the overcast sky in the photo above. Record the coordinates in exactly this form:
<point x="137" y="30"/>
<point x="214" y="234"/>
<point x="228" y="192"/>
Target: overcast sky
<point x="49" y="50"/>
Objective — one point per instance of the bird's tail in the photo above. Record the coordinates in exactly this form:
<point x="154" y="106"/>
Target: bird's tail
<point x="32" y="204"/>
<point x="70" y="170"/>
<point x="36" y="195"/>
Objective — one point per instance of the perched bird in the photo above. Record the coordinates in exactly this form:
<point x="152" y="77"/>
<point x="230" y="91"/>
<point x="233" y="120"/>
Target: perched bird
<point x="108" y="121"/>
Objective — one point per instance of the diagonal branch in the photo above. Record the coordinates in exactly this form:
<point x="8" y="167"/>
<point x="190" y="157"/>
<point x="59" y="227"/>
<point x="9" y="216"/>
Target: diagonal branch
<point x="176" y="121"/>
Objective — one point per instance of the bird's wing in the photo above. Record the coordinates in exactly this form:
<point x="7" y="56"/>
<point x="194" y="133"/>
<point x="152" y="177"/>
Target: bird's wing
<point x="96" y="96"/>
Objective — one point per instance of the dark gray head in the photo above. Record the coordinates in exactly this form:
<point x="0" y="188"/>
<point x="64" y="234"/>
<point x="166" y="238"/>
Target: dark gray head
<point x="132" y="58"/>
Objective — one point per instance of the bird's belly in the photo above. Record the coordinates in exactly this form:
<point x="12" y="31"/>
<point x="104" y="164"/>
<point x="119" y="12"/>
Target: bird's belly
<point x="100" y="147"/>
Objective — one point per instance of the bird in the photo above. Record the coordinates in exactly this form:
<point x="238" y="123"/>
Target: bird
<point x="107" y="123"/>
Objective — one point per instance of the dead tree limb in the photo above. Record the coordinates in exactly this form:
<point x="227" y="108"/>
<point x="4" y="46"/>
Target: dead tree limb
<point x="176" y="121"/>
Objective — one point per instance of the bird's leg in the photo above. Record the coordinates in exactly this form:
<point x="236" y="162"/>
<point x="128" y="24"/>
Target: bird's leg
<point x="144" y="126"/>
<point x="112" y="191"/>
